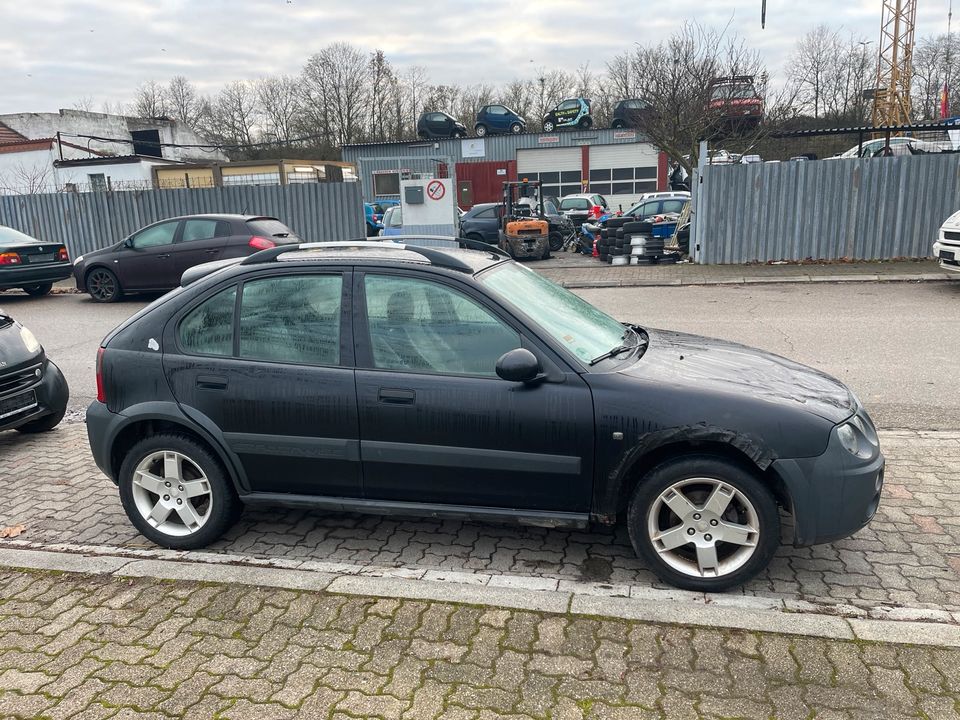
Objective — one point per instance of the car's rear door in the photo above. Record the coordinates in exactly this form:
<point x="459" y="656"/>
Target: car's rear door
<point x="268" y="364"/>
<point x="200" y="240"/>
<point x="437" y="425"/>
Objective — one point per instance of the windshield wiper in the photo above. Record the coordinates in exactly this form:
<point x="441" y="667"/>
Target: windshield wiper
<point x="622" y="347"/>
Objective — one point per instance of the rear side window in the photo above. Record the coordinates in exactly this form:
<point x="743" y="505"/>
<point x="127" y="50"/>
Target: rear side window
<point x="490" y="212"/>
<point x="204" y="230"/>
<point x="292" y="319"/>
<point x="208" y="328"/>
<point x="268" y="227"/>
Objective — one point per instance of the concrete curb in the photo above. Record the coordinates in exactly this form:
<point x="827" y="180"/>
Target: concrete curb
<point x="758" y="280"/>
<point x="653" y="606"/>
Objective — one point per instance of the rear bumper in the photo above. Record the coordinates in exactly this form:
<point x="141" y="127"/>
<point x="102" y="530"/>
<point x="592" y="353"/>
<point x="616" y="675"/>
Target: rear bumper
<point x="520" y="247"/>
<point x="52" y="395"/>
<point x="23" y="275"/>
<point x="834" y="494"/>
<point x="102" y="427"/>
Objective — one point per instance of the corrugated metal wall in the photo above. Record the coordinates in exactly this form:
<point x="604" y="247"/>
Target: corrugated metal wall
<point x="870" y="209"/>
<point x="87" y="221"/>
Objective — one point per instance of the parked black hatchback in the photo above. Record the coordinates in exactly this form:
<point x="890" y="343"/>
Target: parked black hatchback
<point x="430" y="381"/>
<point x="440" y="125"/>
<point x="154" y="258"/>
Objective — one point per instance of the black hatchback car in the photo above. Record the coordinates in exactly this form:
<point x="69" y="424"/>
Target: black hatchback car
<point x="154" y="258"/>
<point x="454" y="382"/>
<point x="440" y="125"/>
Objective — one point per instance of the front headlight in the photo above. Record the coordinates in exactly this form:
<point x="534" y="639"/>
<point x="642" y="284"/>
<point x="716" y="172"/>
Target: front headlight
<point x="848" y="438"/>
<point x="33" y="345"/>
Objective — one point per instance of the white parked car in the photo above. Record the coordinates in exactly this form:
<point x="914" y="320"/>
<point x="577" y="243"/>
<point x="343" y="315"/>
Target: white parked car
<point x="898" y="146"/>
<point x="947" y="246"/>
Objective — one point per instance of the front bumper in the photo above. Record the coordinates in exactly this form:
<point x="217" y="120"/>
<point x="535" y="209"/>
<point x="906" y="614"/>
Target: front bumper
<point x="51" y="392"/>
<point x="19" y="276"/>
<point x="948" y="255"/>
<point x="832" y="495"/>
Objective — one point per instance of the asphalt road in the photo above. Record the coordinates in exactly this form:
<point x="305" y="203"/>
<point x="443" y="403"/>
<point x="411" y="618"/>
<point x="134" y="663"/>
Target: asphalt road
<point x="896" y="344"/>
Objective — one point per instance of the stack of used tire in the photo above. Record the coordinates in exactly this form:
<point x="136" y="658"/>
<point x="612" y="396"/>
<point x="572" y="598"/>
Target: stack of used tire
<point x="627" y="241"/>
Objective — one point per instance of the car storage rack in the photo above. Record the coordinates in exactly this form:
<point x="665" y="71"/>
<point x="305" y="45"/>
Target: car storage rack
<point x="434" y="255"/>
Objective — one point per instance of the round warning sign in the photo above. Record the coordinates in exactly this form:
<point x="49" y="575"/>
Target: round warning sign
<point x="435" y="189"/>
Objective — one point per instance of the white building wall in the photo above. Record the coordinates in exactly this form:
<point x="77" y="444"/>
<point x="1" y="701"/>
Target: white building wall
<point x="33" y="171"/>
<point x="132" y="175"/>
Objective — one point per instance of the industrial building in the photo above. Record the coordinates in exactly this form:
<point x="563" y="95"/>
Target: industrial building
<point x="618" y="164"/>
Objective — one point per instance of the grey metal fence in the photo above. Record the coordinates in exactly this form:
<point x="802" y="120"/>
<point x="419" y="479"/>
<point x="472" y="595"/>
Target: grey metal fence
<point x="870" y="209"/>
<point x="87" y="221"/>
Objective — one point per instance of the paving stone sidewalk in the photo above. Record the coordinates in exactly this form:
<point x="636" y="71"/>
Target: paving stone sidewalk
<point x="574" y="270"/>
<point x="75" y="647"/>
<point x="906" y="562"/>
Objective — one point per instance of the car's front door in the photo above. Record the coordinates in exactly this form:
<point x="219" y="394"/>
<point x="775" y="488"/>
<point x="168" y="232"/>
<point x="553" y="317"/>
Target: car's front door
<point x="146" y="262"/>
<point x="268" y="363"/>
<point x="437" y="425"/>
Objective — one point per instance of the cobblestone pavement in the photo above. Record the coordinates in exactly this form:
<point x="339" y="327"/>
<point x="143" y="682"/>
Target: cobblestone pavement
<point x="576" y="270"/>
<point x="908" y="556"/>
<point x="77" y="647"/>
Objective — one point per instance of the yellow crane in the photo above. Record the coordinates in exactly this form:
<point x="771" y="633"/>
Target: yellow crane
<point x="891" y="98"/>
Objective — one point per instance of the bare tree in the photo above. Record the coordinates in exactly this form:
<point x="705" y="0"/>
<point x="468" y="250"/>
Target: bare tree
<point x="184" y="103"/>
<point x="469" y="102"/>
<point x="414" y="83"/>
<point x="935" y="61"/>
<point x="381" y="79"/>
<point x="23" y="179"/>
<point x="233" y="115"/>
<point x="813" y="66"/>
<point x="150" y="100"/>
<point x="519" y="95"/>
<point x="279" y="98"/>
<point x="335" y="83"/>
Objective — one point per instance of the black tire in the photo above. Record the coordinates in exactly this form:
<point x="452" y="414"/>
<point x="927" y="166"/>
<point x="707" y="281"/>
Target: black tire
<point x="516" y="128"/>
<point x="619" y="234"/>
<point x="640" y="228"/>
<point x="549" y="126"/>
<point x="480" y="130"/>
<point x="617" y="222"/>
<point x="604" y="233"/>
<point x="44" y="424"/>
<point x="585" y="123"/>
<point x="225" y="507"/>
<point x="715" y="468"/>
<point x="604" y="256"/>
<point x="617" y="124"/>
<point x="546" y="253"/>
<point x="103" y="286"/>
<point x="38" y="290"/>
<point x="556" y="241"/>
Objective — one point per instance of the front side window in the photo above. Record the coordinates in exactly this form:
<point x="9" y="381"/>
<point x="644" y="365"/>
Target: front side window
<point x="569" y="105"/>
<point x="161" y="234"/>
<point x="291" y="319"/>
<point x="571" y="321"/>
<point x="422" y="326"/>
<point x="208" y="328"/>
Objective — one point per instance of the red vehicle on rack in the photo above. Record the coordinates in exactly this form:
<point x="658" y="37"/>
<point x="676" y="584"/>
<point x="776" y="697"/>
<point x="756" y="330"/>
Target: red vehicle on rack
<point x="736" y="101"/>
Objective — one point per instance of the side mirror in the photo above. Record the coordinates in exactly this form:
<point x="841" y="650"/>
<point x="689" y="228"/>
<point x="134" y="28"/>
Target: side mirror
<point x="128" y="242"/>
<point x="518" y="365"/>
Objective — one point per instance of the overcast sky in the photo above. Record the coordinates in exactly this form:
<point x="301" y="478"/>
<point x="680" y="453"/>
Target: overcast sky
<point x="57" y="52"/>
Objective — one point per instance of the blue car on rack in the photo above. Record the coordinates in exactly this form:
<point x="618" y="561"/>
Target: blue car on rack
<point x="494" y="119"/>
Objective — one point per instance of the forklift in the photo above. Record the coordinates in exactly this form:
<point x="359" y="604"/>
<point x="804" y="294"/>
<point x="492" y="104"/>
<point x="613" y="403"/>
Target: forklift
<point x="524" y="230"/>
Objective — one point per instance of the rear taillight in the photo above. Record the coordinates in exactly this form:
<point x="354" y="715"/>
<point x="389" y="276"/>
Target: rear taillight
<point x="9" y="258"/>
<point x="101" y="393"/>
<point x="62" y="255"/>
<point x="261" y="243"/>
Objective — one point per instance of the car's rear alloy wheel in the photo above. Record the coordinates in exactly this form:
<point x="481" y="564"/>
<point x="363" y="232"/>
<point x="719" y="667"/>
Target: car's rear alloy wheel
<point x="516" y="128"/>
<point x="480" y="130"/>
<point x="703" y="523"/>
<point x="38" y="290"/>
<point x="176" y="493"/>
<point x="548" y="126"/>
<point x="103" y="285"/>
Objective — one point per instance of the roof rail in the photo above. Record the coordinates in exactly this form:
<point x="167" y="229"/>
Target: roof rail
<point x="435" y="256"/>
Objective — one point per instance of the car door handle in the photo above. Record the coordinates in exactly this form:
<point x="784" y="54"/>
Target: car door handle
<point x="211" y="382"/>
<point x="213" y="252"/>
<point x="397" y="396"/>
<point x="163" y="257"/>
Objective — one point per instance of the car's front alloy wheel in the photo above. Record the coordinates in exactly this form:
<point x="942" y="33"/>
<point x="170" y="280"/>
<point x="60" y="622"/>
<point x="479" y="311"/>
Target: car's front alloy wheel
<point x="175" y="492"/>
<point x="548" y="126"/>
<point x="103" y="285"/>
<point x="703" y="523"/>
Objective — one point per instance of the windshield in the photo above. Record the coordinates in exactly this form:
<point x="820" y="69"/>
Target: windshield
<point x="570" y="320"/>
<point x="574" y="204"/>
<point x="9" y="235"/>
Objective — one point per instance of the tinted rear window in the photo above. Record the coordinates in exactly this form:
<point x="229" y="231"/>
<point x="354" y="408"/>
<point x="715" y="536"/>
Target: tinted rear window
<point x="270" y="228"/>
<point x="574" y="204"/>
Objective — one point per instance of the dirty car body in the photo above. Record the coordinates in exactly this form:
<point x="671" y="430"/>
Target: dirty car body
<point x="449" y="382"/>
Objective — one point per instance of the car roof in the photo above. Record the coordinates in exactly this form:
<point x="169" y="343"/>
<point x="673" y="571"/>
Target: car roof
<point x="387" y="253"/>
<point x="585" y="196"/>
<point x="216" y="216"/>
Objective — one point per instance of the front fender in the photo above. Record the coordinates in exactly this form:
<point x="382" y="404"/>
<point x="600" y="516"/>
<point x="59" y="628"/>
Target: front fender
<point x="608" y="494"/>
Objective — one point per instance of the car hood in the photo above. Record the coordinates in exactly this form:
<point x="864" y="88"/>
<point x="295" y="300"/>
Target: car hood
<point x="727" y="367"/>
<point x="952" y="222"/>
<point x="14" y="353"/>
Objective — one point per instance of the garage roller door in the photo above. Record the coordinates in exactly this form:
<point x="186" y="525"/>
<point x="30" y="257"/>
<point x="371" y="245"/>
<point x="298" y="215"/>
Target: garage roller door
<point x="622" y="173"/>
<point x="559" y="169"/>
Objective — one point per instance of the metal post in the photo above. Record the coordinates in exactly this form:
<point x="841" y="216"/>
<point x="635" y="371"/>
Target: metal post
<point x="59" y="146"/>
<point x="697" y="231"/>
